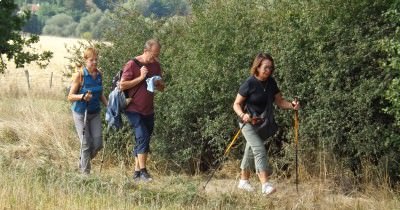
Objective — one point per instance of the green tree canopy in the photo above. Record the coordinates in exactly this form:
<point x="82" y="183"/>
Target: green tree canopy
<point x="340" y="57"/>
<point x="12" y="42"/>
<point x="79" y="5"/>
<point x="162" y="8"/>
<point x="60" y="25"/>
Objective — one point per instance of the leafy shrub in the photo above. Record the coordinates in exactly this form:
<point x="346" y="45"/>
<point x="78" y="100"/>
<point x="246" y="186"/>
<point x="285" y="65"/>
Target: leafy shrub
<point x="88" y="23"/>
<point x="330" y="54"/>
<point x="60" y="25"/>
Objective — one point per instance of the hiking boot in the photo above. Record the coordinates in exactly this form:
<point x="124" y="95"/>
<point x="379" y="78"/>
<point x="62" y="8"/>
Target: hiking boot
<point x="267" y="189"/>
<point x="145" y="176"/>
<point x="245" y="185"/>
<point x="136" y="176"/>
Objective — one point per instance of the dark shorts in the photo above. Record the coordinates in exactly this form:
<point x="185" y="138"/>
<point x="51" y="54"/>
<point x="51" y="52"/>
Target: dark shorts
<point x="142" y="125"/>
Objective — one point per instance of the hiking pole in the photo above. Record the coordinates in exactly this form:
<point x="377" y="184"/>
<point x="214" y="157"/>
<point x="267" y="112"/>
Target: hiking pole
<point x="104" y="149"/>
<point x="225" y="154"/>
<point x="83" y="134"/>
<point x="296" y="141"/>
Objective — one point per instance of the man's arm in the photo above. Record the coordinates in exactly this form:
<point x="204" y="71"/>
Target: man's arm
<point x="127" y="84"/>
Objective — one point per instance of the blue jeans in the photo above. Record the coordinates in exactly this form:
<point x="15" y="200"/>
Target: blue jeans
<point x="143" y="126"/>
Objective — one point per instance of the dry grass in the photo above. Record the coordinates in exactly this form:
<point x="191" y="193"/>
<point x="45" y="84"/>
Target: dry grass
<point x="38" y="159"/>
<point x="39" y="129"/>
<point x="57" y="46"/>
<point x="39" y="151"/>
<point x="15" y="81"/>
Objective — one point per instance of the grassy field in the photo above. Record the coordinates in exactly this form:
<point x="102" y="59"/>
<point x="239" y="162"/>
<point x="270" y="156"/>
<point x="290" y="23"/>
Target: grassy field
<point x="39" y="150"/>
<point x="40" y="78"/>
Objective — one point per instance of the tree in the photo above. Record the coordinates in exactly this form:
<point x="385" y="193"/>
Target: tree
<point x="104" y="4"/>
<point x="75" y="5"/>
<point x="392" y="46"/>
<point x="60" y="25"/>
<point x="162" y="8"/>
<point x="34" y="25"/>
<point x="12" y="42"/>
<point x="88" y="23"/>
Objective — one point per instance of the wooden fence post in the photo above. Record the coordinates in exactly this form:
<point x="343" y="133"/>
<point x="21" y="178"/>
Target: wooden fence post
<point x="27" y="78"/>
<point x="51" y="79"/>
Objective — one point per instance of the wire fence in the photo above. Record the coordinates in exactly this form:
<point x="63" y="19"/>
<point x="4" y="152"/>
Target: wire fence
<point x="31" y="80"/>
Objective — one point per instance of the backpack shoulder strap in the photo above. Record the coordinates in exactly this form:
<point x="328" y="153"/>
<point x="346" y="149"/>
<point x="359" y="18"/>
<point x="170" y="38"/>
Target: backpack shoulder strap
<point x="80" y="76"/>
<point x="138" y="62"/>
<point x="100" y="72"/>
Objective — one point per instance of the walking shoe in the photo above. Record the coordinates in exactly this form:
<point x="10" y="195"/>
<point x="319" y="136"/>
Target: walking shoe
<point x="245" y="185"/>
<point x="267" y="188"/>
<point x="136" y="176"/>
<point x="144" y="176"/>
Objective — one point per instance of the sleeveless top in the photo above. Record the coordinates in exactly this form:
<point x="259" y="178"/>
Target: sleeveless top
<point x="96" y="87"/>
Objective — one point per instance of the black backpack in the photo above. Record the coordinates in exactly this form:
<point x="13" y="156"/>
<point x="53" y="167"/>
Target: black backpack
<point x="117" y="78"/>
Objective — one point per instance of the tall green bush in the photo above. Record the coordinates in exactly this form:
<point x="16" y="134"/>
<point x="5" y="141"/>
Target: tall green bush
<point x="60" y="25"/>
<point x="95" y="22"/>
<point x="330" y="54"/>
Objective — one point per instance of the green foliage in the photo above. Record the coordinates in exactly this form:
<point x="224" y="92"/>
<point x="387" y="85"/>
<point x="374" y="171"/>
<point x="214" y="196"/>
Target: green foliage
<point x="60" y="25"/>
<point x="104" y="4"/>
<point x="162" y="8"/>
<point x="33" y="25"/>
<point x="55" y="19"/>
<point x="95" y="23"/>
<point x="88" y="22"/>
<point x="48" y="10"/>
<point x="38" y="19"/>
<point x="104" y="24"/>
<point x="330" y="54"/>
<point x="12" y="43"/>
<point x="92" y="17"/>
<point x="391" y="45"/>
<point x="205" y="76"/>
<point x="77" y="5"/>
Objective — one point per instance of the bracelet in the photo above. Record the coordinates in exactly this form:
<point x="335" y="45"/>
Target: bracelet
<point x="241" y="115"/>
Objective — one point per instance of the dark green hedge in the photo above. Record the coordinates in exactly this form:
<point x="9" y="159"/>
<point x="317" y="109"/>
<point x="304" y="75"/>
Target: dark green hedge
<point x="329" y="53"/>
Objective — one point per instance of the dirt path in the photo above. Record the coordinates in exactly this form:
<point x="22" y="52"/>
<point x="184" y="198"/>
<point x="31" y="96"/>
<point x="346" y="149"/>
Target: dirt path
<point x="284" y="189"/>
<point x="221" y="186"/>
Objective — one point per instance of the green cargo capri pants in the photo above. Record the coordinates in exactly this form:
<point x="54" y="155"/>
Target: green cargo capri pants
<point x="255" y="153"/>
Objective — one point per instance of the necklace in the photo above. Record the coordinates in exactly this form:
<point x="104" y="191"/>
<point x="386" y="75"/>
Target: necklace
<point x="264" y="85"/>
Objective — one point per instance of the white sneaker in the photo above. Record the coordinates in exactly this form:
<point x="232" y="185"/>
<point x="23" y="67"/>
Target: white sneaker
<point x="245" y="185"/>
<point x="267" y="189"/>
